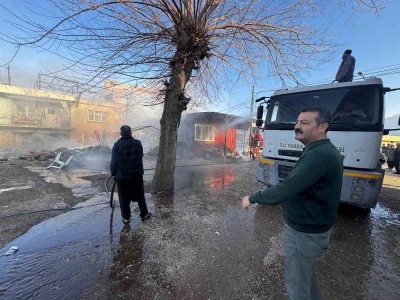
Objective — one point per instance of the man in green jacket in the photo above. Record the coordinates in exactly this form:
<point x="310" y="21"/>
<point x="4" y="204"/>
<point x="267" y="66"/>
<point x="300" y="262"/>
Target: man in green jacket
<point x="310" y="199"/>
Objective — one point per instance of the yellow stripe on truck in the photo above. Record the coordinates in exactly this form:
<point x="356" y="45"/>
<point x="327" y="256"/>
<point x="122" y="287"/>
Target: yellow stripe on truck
<point x="266" y="161"/>
<point x="363" y="175"/>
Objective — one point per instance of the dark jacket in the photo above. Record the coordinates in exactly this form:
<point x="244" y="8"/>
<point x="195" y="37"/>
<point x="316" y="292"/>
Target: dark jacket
<point x="311" y="193"/>
<point x="127" y="158"/>
<point x="396" y="154"/>
<point x="346" y="69"/>
<point x="389" y="152"/>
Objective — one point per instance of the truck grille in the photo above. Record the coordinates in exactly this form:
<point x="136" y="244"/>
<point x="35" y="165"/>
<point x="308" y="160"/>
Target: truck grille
<point x="284" y="171"/>
<point x="292" y="153"/>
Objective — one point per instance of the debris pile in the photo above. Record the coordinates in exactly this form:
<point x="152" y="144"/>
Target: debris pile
<point x="94" y="158"/>
<point x="40" y="155"/>
<point x="152" y="152"/>
<point x="97" y="157"/>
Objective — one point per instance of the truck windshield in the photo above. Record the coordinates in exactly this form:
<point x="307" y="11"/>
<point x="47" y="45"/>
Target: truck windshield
<point x="354" y="106"/>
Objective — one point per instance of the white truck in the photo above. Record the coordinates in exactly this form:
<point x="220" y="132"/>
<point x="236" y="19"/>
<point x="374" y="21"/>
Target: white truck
<point x="356" y="130"/>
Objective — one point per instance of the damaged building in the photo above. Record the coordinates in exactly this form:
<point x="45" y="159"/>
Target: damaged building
<point x="36" y="117"/>
<point x="28" y="115"/>
<point x="199" y="132"/>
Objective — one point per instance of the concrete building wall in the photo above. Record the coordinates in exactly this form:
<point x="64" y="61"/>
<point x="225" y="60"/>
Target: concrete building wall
<point x="5" y="109"/>
<point x="85" y="121"/>
<point x="7" y="138"/>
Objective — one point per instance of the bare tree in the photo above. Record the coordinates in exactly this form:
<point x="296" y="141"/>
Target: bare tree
<point x="206" y="43"/>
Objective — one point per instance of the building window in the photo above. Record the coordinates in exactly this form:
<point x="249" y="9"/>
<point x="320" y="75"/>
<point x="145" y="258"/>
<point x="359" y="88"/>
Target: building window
<point x="204" y="132"/>
<point x="122" y="114"/>
<point x="97" y="116"/>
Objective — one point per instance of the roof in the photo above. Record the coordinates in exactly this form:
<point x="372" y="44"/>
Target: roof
<point x="25" y="93"/>
<point x="210" y="117"/>
<point x="369" y="81"/>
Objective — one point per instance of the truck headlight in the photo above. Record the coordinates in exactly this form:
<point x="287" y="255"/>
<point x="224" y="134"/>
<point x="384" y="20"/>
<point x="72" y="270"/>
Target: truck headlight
<point x="358" y="189"/>
<point x="361" y="181"/>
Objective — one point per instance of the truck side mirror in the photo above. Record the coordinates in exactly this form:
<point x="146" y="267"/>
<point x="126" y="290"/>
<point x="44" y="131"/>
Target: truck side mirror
<point x="260" y="112"/>
<point x="398" y="122"/>
<point x="259" y="123"/>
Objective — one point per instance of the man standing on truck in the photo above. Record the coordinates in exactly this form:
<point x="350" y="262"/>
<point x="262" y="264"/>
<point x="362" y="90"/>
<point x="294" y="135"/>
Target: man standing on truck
<point x="127" y="168"/>
<point x="310" y="199"/>
<point x="346" y="69"/>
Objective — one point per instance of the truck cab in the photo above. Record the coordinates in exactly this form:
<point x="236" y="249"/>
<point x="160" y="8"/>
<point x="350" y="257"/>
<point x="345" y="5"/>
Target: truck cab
<point x="356" y="130"/>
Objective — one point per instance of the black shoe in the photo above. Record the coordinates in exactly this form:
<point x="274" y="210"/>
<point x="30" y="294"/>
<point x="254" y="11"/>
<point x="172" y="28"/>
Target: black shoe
<point x="147" y="216"/>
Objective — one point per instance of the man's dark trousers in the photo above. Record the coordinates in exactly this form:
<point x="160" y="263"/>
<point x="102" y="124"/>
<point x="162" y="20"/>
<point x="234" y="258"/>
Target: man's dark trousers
<point x="129" y="190"/>
<point x="397" y="166"/>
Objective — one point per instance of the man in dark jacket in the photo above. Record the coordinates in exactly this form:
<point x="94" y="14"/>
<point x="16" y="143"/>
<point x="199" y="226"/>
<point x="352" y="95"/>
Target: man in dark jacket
<point x="346" y="69"/>
<point x="310" y="199"/>
<point x="127" y="168"/>
<point x="389" y="152"/>
<point x="396" y="158"/>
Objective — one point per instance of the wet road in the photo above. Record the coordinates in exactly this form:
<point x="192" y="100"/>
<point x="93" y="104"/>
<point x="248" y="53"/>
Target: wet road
<point x="199" y="245"/>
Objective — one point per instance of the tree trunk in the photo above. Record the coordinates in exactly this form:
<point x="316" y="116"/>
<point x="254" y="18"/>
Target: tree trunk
<point x="164" y="176"/>
<point x="175" y="103"/>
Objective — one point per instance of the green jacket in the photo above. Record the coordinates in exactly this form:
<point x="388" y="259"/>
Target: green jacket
<point x="311" y="193"/>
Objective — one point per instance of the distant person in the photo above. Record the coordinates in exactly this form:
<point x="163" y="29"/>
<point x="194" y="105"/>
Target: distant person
<point x="381" y="160"/>
<point x="396" y="158"/>
<point x="127" y="168"/>
<point x="346" y="69"/>
<point x="349" y="113"/>
<point x="310" y="198"/>
<point x="389" y="155"/>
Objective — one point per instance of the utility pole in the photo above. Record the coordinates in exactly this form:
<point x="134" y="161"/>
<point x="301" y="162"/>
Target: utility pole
<point x="9" y="75"/>
<point x="251" y="117"/>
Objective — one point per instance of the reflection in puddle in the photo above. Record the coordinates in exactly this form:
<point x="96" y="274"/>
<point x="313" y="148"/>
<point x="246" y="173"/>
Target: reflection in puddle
<point x="125" y="269"/>
<point x="213" y="178"/>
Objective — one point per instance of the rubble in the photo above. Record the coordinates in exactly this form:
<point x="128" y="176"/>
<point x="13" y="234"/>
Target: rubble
<point x="153" y="151"/>
<point x="42" y="155"/>
<point x="97" y="157"/>
<point x="25" y="157"/>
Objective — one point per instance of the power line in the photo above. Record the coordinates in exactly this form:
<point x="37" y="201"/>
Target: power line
<point x="366" y="72"/>
<point x="229" y="109"/>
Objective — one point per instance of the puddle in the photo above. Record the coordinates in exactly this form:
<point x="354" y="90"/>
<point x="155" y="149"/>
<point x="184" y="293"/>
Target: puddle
<point x="211" y="177"/>
<point x="385" y="244"/>
<point x="71" y="179"/>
